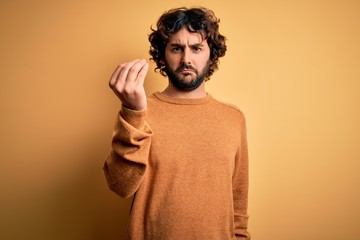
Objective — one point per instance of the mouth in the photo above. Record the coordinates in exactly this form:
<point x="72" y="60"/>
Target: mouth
<point x="186" y="71"/>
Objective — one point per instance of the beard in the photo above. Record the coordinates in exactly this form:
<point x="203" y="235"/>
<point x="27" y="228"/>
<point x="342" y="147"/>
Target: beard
<point x="180" y="83"/>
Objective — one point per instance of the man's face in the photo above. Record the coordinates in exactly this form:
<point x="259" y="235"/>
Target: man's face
<point x="187" y="59"/>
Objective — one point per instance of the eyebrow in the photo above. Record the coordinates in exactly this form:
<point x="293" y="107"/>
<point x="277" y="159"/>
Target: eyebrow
<point x="182" y="45"/>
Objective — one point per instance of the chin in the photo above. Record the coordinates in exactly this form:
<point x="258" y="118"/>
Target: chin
<point x="187" y="77"/>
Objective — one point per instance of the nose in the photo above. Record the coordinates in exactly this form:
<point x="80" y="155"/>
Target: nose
<point x="186" y="57"/>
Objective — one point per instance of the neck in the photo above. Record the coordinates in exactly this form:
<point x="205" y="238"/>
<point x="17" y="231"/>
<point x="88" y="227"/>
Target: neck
<point x="172" y="91"/>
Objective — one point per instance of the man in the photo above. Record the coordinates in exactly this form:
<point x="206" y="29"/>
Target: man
<point x="180" y="153"/>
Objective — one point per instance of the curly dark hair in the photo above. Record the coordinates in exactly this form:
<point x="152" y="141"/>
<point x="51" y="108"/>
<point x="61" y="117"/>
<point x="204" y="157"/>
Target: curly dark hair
<point x="199" y="20"/>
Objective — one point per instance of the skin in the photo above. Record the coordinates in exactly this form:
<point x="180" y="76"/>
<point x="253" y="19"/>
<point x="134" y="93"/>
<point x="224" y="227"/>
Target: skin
<point x="191" y="49"/>
<point x="127" y="82"/>
<point x="183" y="47"/>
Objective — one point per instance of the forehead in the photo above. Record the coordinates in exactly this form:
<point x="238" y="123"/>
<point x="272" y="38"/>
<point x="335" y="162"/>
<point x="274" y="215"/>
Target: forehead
<point x="183" y="36"/>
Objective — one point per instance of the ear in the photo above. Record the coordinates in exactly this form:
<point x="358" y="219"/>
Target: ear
<point x="162" y="61"/>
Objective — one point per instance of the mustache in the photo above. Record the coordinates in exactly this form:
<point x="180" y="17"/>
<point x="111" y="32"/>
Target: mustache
<point x="185" y="66"/>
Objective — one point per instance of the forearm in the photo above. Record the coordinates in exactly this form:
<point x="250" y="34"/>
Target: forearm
<point x="241" y="231"/>
<point x="126" y="165"/>
<point x="241" y="186"/>
<point x="240" y="215"/>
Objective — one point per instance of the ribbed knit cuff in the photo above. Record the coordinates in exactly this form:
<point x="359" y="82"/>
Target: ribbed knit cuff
<point x="133" y="117"/>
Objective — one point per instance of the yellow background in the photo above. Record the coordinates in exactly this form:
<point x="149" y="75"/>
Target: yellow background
<point x="293" y="67"/>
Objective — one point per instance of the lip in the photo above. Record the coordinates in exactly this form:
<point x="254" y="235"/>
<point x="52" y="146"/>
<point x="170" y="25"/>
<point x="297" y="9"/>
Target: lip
<point x="186" y="71"/>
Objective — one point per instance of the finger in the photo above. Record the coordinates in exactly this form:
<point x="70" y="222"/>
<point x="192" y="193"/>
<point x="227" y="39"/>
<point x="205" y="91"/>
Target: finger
<point x="134" y="71"/>
<point x="123" y="74"/>
<point x="114" y="76"/>
<point x="142" y="74"/>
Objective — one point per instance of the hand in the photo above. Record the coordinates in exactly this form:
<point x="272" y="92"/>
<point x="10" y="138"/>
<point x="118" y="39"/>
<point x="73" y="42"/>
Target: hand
<point x="127" y="82"/>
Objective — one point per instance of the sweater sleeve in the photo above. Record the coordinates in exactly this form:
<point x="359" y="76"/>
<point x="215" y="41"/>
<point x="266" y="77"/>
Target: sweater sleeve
<point x="126" y="165"/>
<point x="240" y="187"/>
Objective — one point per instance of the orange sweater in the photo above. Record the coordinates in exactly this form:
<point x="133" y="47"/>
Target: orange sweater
<point x="186" y="163"/>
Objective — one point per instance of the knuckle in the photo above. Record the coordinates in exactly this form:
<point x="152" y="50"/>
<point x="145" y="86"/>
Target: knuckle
<point x="137" y="91"/>
<point x="133" y="71"/>
<point x="141" y="74"/>
<point x="128" y="90"/>
<point x="118" y="88"/>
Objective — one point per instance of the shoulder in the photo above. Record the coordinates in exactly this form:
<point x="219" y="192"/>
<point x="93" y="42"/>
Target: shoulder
<point x="228" y="108"/>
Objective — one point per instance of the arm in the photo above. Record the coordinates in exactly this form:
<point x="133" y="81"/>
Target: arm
<point x="240" y="187"/>
<point x="126" y="165"/>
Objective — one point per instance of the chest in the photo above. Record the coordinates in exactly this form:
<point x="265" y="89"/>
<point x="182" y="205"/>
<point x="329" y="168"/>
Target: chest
<point x="198" y="143"/>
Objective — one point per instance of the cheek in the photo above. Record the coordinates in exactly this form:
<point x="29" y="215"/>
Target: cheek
<point x="205" y="60"/>
<point x="171" y="61"/>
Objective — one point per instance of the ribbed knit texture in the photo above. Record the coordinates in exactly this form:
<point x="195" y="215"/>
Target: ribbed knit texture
<point x="186" y="163"/>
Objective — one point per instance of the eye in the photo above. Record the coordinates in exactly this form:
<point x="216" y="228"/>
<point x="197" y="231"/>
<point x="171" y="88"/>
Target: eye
<point x="176" y="49"/>
<point x="196" y="49"/>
